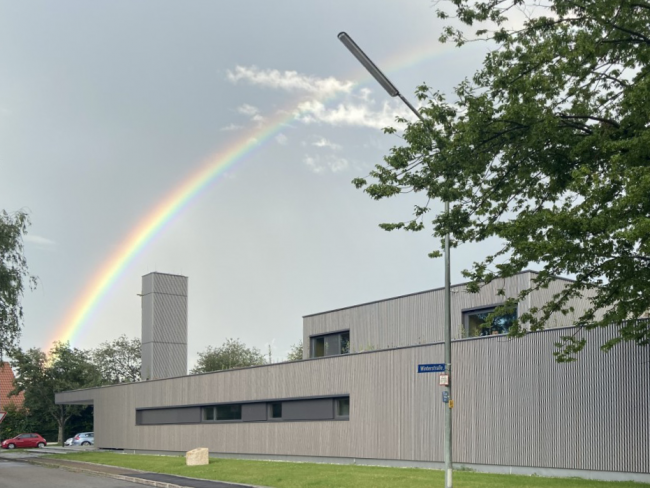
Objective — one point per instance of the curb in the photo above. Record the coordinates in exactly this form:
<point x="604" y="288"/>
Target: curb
<point x="158" y="484"/>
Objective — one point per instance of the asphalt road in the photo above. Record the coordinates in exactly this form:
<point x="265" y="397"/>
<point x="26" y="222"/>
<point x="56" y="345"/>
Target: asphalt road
<point x="14" y="474"/>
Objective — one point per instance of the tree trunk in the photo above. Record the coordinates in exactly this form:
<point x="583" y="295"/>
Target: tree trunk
<point x="61" y="423"/>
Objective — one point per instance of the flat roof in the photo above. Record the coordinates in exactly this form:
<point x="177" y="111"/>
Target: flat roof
<point x="418" y="293"/>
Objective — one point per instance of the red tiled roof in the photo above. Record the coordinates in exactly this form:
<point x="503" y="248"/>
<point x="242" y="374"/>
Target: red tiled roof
<point x="7" y="385"/>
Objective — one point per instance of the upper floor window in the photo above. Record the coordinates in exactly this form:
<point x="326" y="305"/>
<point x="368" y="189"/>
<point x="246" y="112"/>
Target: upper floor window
<point x="330" y="344"/>
<point x="476" y="322"/>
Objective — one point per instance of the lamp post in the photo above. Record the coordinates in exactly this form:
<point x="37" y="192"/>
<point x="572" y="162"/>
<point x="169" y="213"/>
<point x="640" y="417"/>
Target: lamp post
<point x="394" y="92"/>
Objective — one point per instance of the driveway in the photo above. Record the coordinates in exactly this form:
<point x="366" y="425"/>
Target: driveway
<point x="15" y="474"/>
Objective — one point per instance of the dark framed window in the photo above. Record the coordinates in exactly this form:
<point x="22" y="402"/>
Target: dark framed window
<point x="221" y="413"/>
<point x="342" y="406"/>
<point x="275" y="411"/>
<point x="228" y="412"/>
<point x="476" y="322"/>
<point x="330" y="344"/>
<point x="280" y="410"/>
<point x="208" y="414"/>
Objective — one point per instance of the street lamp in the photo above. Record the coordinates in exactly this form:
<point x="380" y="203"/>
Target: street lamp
<point x="394" y="92"/>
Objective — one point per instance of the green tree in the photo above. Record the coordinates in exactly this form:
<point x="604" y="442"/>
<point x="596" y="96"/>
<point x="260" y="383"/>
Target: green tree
<point x="231" y="354"/>
<point x="295" y="353"/>
<point x="41" y="376"/>
<point x="14" y="277"/>
<point x="118" y="361"/>
<point x="16" y="422"/>
<point x="546" y="148"/>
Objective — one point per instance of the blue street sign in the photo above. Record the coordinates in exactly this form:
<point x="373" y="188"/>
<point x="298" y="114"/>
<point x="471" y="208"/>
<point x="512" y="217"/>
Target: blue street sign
<point x="445" y="397"/>
<point x="431" y="368"/>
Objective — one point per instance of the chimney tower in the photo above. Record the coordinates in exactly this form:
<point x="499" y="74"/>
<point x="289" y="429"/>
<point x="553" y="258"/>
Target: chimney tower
<point x="164" y="326"/>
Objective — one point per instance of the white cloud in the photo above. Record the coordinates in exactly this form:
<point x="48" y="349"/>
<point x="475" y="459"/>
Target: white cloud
<point x="247" y="109"/>
<point x="289" y="81"/>
<point x="364" y="94"/>
<point x="257" y="118"/>
<point x="281" y="139"/>
<point x="313" y="111"/>
<point x="322" y="142"/>
<point x="38" y="240"/>
<point x="231" y="127"/>
<point x="319" y="164"/>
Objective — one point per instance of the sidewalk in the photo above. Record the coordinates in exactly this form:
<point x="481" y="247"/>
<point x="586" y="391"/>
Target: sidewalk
<point x="132" y="475"/>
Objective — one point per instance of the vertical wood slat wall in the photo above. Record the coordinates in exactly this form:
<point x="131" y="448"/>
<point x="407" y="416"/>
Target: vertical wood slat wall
<point x="513" y="406"/>
<point x="419" y="318"/>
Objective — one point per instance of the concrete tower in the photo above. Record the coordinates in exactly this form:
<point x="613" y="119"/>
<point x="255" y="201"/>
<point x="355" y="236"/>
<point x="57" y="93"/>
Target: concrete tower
<point x="164" y="326"/>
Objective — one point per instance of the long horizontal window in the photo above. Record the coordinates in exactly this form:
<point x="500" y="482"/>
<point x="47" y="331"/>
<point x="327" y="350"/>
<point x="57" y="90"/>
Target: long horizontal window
<point x="336" y="408"/>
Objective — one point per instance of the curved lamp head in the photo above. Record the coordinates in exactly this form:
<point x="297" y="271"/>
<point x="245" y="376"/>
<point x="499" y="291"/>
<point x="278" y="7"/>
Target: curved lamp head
<point x="368" y="64"/>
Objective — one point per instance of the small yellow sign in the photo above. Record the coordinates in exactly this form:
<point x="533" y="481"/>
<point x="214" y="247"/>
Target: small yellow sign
<point x="451" y="404"/>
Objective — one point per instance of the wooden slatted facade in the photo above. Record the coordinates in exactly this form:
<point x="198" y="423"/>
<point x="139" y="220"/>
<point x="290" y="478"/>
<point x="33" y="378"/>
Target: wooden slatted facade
<point x="514" y="405"/>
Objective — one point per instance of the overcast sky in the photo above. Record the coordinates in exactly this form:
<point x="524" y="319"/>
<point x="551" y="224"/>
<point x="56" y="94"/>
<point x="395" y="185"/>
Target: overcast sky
<point x="107" y="106"/>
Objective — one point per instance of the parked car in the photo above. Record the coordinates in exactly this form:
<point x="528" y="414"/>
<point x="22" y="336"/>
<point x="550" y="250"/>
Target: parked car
<point x="24" y="441"/>
<point x="84" y="439"/>
<point x="68" y="442"/>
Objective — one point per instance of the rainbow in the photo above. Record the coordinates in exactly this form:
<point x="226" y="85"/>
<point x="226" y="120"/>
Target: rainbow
<point x="180" y="197"/>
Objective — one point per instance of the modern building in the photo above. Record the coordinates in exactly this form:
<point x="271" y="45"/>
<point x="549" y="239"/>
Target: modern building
<point x="357" y="397"/>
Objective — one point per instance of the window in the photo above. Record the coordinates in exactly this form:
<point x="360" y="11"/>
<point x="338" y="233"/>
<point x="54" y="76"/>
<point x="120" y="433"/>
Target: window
<point x="208" y="414"/>
<point x="222" y="412"/>
<point x="476" y="324"/>
<point x="275" y="410"/>
<point x="228" y="412"/>
<point x="330" y="344"/>
<point x="343" y="408"/>
<point x="278" y="410"/>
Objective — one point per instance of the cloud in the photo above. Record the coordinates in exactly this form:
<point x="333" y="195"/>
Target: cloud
<point x="281" y="139"/>
<point x="291" y="81"/>
<point x="319" y="164"/>
<point x="38" y="240"/>
<point x="247" y="109"/>
<point x="360" y="115"/>
<point x="322" y="142"/>
<point x="231" y="127"/>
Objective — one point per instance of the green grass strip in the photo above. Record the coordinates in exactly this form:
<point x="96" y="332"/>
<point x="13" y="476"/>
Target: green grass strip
<point x="310" y="475"/>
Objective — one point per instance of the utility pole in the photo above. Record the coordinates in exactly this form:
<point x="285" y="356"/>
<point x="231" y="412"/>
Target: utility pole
<point x="394" y="92"/>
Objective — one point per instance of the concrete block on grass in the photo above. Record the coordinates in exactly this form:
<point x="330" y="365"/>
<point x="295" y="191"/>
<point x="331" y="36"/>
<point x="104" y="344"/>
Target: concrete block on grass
<point x="197" y="457"/>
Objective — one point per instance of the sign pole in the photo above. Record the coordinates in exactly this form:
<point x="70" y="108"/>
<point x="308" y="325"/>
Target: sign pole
<point x="448" y="459"/>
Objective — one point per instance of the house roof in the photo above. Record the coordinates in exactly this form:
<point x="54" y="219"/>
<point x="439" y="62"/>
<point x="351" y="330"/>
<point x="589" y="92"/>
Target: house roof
<point x="7" y="385"/>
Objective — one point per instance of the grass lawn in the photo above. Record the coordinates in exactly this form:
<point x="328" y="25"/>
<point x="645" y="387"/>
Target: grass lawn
<point x="308" y="475"/>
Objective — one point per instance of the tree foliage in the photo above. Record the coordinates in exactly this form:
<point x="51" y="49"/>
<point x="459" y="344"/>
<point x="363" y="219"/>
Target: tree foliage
<point x="231" y="354"/>
<point x="295" y="353"/>
<point x="546" y="148"/>
<point x="14" y="277"/>
<point x="40" y="376"/>
<point x="118" y="361"/>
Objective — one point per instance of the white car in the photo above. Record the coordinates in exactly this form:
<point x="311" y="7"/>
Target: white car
<point x="68" y="442"/>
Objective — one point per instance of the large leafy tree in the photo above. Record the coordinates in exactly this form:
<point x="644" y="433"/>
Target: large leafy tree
<point x="118" y="361"/>
<point x="14" y="277"/>
<point x="547" y="148"/>
<point x="231" y="354"/>
<point x="41" y="375"/>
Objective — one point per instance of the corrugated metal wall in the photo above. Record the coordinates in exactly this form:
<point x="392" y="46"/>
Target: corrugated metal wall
<point x="513" y="406"/>
<point x="419" y="319"/>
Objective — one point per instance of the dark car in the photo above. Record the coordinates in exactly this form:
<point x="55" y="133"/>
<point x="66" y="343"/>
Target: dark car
<point x="23" y="441"/>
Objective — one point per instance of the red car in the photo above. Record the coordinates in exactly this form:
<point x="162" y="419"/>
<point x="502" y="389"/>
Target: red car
<point x="23" y="441"/>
